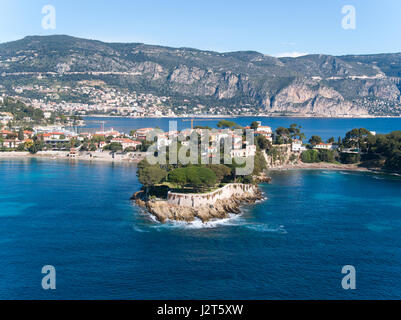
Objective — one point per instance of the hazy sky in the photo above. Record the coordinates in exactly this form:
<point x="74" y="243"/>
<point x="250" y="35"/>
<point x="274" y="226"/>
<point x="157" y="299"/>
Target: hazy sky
<point x="271" y="27"/>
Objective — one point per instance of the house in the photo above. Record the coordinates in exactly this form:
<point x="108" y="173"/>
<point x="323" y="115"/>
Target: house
<point x="6" y="117"/>
<point x="11" y="143"/>
<point x="237" y="141"/>
<point x="141" y="134"/>
<point x="56" y="135"/>
<point x="47" y="115"/>
<point x="325" y="146"/>
<point x="296" y="146"/>
<point x="249" y="151"/>
<point x="5" y="133"/>
<point x="28" y="134"/>
<point x="110" y="133"/>
<point x="73" y="152"/>
<point x="265" y="131"/>
<point x="163" y="140"/>
<point x="127" y="143"/>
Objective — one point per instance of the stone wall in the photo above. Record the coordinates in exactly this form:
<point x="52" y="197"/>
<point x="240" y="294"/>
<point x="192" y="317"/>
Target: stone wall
<point x="202" y="199"/>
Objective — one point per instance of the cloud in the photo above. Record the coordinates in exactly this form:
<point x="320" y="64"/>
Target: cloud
<point x="293" y="54"/>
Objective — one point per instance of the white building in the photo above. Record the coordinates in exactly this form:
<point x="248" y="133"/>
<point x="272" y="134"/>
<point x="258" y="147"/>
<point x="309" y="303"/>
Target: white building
<point x="296" y="146"/>
<point x="265" y="131"/>
<point x="325" y="146"/>
<point x="127" y="143"/>
<point x="6" y="117"/>
<point x="249" y="151"/>
<point x="163" y="141"/>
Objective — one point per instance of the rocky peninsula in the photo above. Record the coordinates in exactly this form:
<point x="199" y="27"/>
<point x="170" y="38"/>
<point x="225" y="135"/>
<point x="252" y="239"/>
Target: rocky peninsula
<point x="218" y="204"/>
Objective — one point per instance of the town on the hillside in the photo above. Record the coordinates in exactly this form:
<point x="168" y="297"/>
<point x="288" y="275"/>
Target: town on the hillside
<point x="25" y="128"/>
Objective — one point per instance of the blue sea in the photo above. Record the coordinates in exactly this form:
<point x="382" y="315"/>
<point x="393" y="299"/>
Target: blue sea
<point x="325" y="127"/>
<point x="77" y="216"/>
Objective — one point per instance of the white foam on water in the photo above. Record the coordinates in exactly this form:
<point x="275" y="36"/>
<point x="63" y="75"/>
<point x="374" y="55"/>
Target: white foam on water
<point x="395" y="174"/>
<point x="260" y="227"/>
<point x="261" y="200"/>
<point x="137" y="229"/>
<point x="232" y="220"/>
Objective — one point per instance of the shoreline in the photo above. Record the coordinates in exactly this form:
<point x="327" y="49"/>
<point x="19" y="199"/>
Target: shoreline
<point x="206" y="207"/>
<point x="240" y="116"/>
<point x="107" y="158"/>
<point x="326" y="166"/>
<point x="60" y="155"/>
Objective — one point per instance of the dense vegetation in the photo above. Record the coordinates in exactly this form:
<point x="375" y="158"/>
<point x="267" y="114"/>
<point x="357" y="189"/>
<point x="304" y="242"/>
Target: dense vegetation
<point x="21" y="111"/>
<point x="360" y="146"/>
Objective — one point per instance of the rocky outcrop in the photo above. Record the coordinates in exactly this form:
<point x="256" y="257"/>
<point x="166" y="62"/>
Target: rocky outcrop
<point x="310" y="98"/>
<point x="220" y="209"/>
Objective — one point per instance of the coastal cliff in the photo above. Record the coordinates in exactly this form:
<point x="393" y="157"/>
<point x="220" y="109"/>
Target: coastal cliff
<point x="189" y="207"/>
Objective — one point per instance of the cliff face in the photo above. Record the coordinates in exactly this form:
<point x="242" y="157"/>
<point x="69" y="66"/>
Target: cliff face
<point x="313" y="85"/>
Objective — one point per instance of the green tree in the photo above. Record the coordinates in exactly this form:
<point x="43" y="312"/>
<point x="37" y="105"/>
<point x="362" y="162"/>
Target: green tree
<point x="327" y="155"/>
<point x="221" y="171"/>
<point x="21" y="147"/>
<point x="310" y="156"/>
<point x="295" y="132"/>
<point x="227" y="124"/>
<point x="21" y="134"/>
<point x="207" y="177"/>
<point x="314" y="140"/>
<point x="178" y="176"/>
<point x="114" y="147"/>
<point x="263" y="143"/>
<point x="36" y="146"/>
<point x="282" y="135"/>
<point x="254" y="125"/>
<point x="149" y="175"/>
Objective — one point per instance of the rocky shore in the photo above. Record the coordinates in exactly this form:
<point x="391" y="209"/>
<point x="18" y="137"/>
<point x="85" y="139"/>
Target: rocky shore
<point x="163" y="211"/>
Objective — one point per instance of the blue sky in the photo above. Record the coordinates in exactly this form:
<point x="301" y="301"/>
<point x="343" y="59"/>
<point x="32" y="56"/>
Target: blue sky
<point x="271" y="27"/>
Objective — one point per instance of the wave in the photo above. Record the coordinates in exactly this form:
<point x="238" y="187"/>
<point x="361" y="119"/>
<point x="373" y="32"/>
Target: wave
<point x="261" y="200"/>
<point x="266" y="228"/>
<point x="137" y="229"/>
<point x="232" y="220"/>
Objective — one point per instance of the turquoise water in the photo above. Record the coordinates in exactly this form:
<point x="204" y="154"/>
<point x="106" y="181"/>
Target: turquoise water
<point x="78" y="217"/>
<point x="326" y="128"/>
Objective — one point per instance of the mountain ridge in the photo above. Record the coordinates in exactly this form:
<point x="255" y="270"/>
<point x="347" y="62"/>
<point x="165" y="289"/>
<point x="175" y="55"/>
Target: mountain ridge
<point x="310" y="85"/>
